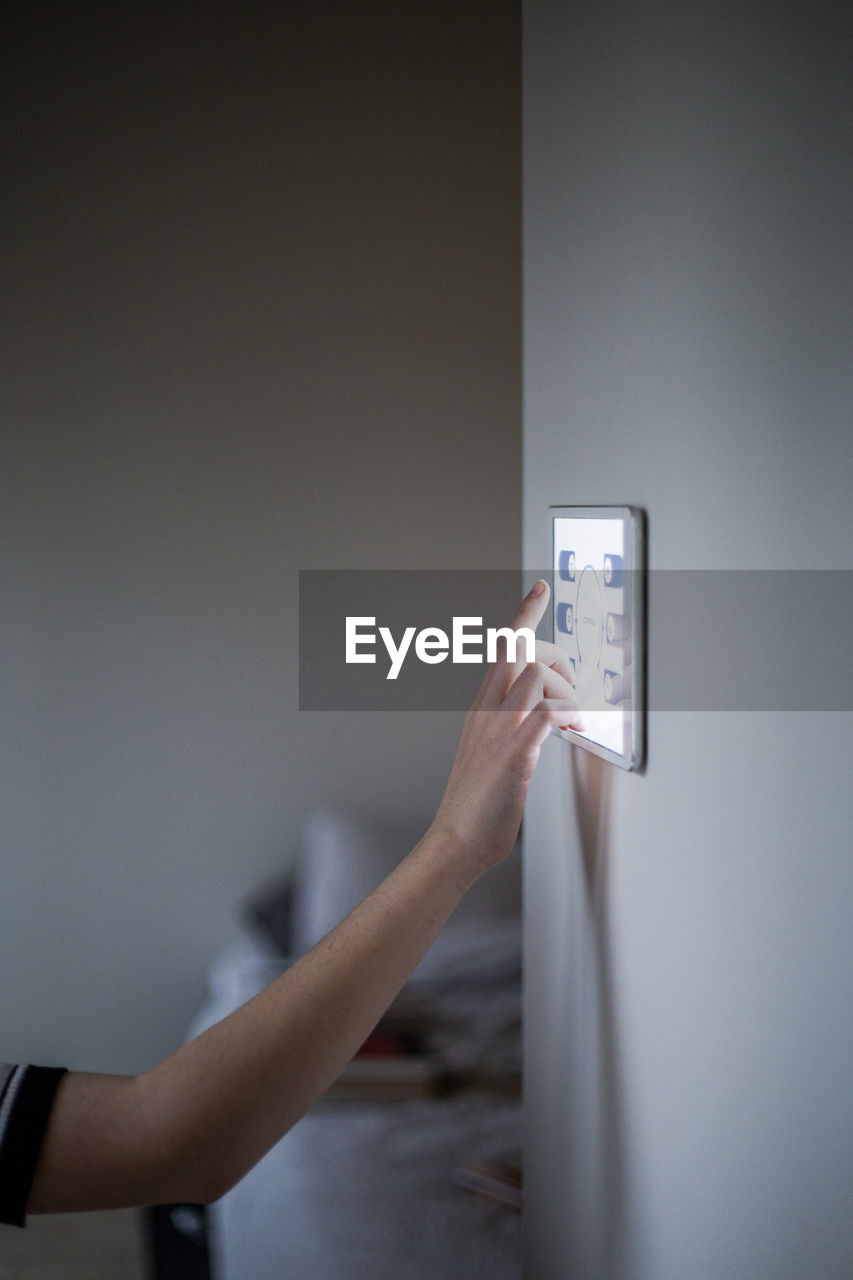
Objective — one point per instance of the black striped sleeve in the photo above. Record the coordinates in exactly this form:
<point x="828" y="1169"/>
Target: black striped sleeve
<point x="26" y="1098"/>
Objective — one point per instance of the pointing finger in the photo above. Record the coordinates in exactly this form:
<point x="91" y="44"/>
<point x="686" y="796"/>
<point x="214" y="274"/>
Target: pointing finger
<point x="532" y="608"/>
<point x="503" y="673"/>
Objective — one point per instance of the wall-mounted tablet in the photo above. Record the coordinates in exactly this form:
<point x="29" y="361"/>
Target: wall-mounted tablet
<point x="598" y="617"/>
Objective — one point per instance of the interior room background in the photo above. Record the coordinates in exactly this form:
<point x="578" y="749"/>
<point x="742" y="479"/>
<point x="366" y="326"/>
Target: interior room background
<point x="262" y="313"/>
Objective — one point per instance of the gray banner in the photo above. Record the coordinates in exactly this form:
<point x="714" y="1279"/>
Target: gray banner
<point x="716" y="640"/>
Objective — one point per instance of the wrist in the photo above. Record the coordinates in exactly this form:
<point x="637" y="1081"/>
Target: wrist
<point x="456" y="859"/>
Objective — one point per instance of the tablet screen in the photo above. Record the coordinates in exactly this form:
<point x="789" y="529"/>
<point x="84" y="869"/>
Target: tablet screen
<point x="597" y="620"/>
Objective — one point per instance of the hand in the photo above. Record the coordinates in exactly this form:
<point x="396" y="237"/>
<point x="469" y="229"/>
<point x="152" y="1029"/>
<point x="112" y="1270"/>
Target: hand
<point x="515" y="709"/>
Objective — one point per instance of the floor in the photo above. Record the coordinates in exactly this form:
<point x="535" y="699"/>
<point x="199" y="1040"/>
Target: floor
<point x="74" y="1246"/>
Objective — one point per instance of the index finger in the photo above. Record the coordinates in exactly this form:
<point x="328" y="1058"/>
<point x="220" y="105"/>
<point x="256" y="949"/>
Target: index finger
<point x="502" y="673"/>
<point x="532" y="608"/>
<point x="530" y="613"/>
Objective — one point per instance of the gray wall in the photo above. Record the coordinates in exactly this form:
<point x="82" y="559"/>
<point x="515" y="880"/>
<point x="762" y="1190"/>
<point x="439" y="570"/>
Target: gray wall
<point x="688" y="321"/>
<point x="261" y="313"/>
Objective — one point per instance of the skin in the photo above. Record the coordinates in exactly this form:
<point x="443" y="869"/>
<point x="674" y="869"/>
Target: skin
<point x="190" y="1127"/>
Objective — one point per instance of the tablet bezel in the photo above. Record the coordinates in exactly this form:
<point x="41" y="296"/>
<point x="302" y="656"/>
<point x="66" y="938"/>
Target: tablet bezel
<point x="633" y="754"/>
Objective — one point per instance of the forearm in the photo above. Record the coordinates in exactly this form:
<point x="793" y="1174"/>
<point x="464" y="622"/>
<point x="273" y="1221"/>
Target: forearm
<point x="236" y="1089"/>
<point x="192" y="1125"/>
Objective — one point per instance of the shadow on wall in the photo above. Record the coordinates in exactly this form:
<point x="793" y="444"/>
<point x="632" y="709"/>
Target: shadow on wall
<point x="596" y="1048"/>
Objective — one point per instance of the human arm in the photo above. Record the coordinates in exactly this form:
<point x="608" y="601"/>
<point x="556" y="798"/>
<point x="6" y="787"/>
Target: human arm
<point x="196" y="1122"/>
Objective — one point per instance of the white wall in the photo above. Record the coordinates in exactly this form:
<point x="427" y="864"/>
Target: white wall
<point x="261" y="314"/>
<point x="688" y="315"/>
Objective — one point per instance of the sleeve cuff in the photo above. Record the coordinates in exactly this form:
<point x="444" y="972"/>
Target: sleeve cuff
<point x="22" y="1140"/>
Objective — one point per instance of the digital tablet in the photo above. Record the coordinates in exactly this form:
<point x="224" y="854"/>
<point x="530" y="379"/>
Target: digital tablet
<point x="598" y="618"/>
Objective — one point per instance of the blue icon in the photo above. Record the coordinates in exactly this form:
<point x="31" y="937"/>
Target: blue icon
<point x="613" y="571"/>
<point x="567" y="566"/>
<point x="565" y="619"/>
<point x="616" y="628"/>
<point x="616" y="686"/>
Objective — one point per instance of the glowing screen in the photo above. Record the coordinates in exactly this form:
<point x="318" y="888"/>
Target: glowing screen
<point x="596" y="616"/>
